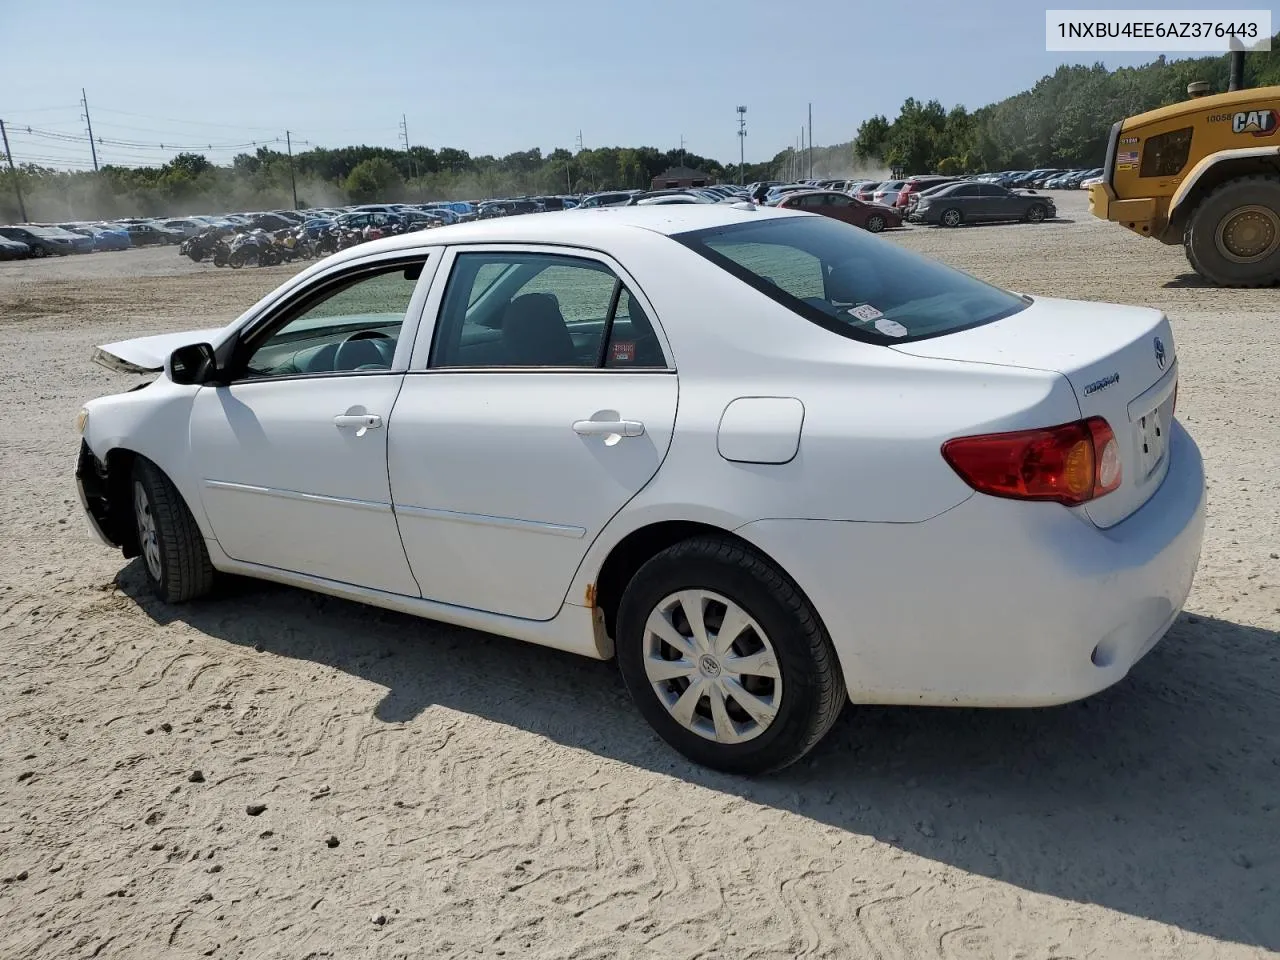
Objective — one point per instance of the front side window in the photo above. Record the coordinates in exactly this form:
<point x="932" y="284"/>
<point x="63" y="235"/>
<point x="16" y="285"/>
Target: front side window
<point x="1165" y="155"/>
<point x="350" y="326"/>
<point x="847" y="281"/>
<point x="540" y="310"/>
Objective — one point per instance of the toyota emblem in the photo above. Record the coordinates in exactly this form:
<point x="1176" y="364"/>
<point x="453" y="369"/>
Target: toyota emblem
<point x="1159" y="345"/>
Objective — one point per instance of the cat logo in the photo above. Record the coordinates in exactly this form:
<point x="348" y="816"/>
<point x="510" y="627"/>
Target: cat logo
<point x="1261" y="123"/>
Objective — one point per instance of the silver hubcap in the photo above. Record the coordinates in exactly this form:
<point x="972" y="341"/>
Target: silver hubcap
<point x="951" y="218"/>
<point x="712" y="666"/>
<point x="147" y="539"/>
<point x="1249" y="234"/>
<point x="1035" y="214"/>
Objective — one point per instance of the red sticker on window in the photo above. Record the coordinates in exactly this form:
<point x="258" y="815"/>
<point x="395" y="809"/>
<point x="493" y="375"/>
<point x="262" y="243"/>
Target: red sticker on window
<point x="623" y="351"/>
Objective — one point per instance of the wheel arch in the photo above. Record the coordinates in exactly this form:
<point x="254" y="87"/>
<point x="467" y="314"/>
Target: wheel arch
<point x="1209" y="174"/>
<point x="639" y="546"/>
<point x="106" y="482"/>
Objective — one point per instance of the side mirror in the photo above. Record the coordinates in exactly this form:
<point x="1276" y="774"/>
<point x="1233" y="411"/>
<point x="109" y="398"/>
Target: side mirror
<point x="193" y="365"/>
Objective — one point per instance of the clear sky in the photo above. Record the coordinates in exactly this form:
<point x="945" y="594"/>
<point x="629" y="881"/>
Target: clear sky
<point x="494" y="76"/>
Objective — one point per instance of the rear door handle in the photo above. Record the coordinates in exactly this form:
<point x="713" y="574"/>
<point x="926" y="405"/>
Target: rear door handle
<point x="604" y="428"/>
<point x="364" y="421"/>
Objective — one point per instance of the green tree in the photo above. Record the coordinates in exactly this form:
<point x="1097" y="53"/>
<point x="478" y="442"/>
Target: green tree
<point x="375" y="179"/>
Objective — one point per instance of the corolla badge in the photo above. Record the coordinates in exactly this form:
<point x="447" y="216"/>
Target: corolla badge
<point x="1160" y="357"/>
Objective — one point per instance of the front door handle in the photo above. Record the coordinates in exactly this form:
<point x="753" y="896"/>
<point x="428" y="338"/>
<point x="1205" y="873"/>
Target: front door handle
<point x="364" y="421"/>
<point x="604" y="428"/>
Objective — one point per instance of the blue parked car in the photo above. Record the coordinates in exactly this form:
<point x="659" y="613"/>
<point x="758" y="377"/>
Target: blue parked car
<point x="105" y="239"/>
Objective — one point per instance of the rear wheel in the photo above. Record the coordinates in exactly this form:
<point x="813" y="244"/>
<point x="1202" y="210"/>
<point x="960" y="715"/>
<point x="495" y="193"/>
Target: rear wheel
<point x="1232" y="238"/>
<point x="173" y="551"/>
<point x="951" y="217"/>
<point x="726" y="658"/>
<point x="236" y="260"/>
<point x="875" y="223"/>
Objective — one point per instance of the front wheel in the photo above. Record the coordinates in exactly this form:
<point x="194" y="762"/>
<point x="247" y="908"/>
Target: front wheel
<point x="236" y="260"/>
<point x="951" y="217"/>
<point x="39" y="251"/>
<point x="875" y="223"/>
<point x="1036" y="213"/>
<point x="1233" y="237"/>
<point x="726" y="658"/>
<point x="173" y="551"/>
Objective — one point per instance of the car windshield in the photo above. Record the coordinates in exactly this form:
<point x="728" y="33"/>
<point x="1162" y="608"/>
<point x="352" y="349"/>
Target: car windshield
<point x="850" y="282"/>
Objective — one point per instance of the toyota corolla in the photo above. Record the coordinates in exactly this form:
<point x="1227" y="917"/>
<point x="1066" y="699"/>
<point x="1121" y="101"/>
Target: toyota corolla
<point x="768" y="461"/>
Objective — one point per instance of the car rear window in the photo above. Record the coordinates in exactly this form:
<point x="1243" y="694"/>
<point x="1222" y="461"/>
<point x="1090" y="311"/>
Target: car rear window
<point x="851" y="282"/>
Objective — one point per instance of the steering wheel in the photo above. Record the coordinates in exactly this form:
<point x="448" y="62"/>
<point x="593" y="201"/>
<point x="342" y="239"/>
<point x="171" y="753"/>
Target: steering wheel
<point x="365" y="348"/>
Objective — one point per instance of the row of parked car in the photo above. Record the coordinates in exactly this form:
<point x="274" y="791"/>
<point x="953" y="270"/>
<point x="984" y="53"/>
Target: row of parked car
<point x="19" y="241"/>
<point x="1045" y="178"/>
<point x="874" y="205"/>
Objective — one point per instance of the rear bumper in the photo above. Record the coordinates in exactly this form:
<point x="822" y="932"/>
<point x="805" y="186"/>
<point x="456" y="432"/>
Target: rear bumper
<point x="998" y="603"/>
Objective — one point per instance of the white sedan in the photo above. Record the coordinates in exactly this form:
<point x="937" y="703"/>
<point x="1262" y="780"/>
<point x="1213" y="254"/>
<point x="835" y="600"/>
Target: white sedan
<point x="767" y="460"/>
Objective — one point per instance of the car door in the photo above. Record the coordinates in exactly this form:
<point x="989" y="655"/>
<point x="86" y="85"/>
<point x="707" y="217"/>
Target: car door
<point x="291" y="453"/>
<point x="996" y="202"/>
<point x="546" y="401"/>
<point x="840" y="207"/>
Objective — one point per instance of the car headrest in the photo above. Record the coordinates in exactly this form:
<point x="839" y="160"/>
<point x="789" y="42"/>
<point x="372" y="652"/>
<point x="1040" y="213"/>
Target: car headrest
<point x="534" y="332"/>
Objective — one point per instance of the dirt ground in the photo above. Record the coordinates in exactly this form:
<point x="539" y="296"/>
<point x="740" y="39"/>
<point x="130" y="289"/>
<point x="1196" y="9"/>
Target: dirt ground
<point x="488" y="798"/>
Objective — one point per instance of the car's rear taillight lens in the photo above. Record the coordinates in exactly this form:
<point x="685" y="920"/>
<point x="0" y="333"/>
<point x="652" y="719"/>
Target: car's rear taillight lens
<point x="1070" y="464"/>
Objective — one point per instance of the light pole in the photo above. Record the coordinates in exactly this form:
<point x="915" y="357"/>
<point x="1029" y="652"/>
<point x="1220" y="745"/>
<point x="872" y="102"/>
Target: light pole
<point x="742" y="145"/>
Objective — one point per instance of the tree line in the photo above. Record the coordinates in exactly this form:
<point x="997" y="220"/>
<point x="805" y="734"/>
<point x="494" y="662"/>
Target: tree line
<point x="1062" y="121"/>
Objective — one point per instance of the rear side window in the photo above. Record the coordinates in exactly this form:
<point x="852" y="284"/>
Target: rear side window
<point x="849" y="282"/>
<point x="1165" y="155"/>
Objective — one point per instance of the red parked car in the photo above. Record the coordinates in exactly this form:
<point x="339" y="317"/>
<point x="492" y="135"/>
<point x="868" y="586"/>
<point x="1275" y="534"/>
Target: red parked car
<point x="873" y="217"/>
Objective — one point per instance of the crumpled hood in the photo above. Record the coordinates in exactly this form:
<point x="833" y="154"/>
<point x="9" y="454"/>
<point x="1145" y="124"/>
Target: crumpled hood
<point x="148" y="354"/>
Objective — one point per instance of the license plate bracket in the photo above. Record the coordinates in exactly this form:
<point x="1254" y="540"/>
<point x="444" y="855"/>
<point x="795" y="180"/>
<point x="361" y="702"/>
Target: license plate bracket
<point x="1152" y="440"/>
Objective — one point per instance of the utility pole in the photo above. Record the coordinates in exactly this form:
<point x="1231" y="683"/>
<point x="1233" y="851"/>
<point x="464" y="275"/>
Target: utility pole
<point x="404" y="135"/>
<point x="13" y="173"/>
<point x="293" y="181"/>
<point x="742" y="144"/>
<point x="810" y="141"/>
<point x="84" y="101"/>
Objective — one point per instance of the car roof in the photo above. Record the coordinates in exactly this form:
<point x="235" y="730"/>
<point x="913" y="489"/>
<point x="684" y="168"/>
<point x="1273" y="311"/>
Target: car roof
<point x="588" y="227"/>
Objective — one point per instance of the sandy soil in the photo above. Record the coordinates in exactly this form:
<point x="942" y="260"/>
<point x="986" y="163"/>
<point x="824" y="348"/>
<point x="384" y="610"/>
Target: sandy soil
<point x="492" y="799"/>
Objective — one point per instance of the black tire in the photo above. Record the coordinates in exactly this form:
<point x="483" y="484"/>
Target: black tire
<point x="39" y="251"/>
<point x="813" y="691"/>
<point x="875" y="223"/>
<point x="1200" y="240"/>
<point x="236" y="260"/>
<point x="184" y="571"/>
<point x="219" y="258"/>
<point x="951" y="217"/>
<point x="1036" y="213"/>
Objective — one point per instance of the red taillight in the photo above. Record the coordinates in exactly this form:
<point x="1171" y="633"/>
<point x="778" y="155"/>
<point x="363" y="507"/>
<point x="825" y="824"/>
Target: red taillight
<point x="1071" y="464"/>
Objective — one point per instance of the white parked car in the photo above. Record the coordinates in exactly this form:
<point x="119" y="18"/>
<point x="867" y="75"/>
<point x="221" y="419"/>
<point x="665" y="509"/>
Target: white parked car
<point x="765" y="458"/>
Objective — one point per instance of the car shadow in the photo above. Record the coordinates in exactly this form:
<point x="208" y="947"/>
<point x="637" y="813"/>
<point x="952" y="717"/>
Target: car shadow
<point x="1159" y="798"/>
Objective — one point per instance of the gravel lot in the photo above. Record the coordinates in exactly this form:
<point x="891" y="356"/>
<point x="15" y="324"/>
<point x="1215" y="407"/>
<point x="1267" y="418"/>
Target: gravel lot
<point x="494" y="799"/>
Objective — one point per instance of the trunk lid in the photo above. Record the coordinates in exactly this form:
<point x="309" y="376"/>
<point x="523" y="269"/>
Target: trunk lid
<point x="148" y="354"/>
<point x="1119" y="360"/>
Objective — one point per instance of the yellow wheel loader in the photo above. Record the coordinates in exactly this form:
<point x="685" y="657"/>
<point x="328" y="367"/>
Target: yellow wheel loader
<point x="1204" y="173"/>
